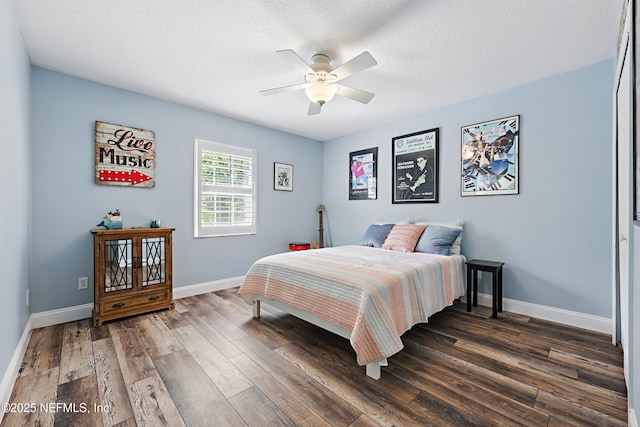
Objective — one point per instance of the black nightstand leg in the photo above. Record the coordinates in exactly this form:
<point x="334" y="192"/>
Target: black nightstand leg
<point x="495" y="296"/>
<point x="469" y="289"/>
<point x="475" y="287"/>
<point x="500" y="290"/>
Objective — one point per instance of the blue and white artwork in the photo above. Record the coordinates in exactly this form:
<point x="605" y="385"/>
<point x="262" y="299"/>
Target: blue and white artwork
<point x="490" y="157"/>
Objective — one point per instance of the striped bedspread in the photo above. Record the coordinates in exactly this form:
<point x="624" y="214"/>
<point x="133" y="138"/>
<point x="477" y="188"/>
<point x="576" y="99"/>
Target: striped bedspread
<point x="378" y="294"/>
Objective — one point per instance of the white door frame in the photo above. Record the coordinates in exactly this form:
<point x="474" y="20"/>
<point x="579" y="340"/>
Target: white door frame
<point x="621" y="233"/>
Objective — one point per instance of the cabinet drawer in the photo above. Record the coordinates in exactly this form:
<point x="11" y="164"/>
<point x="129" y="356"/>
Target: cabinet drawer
<point x="147" y="301"/>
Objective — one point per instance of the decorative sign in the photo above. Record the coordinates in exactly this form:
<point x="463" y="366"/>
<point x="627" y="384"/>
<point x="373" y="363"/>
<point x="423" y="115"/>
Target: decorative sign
<point x="124" y="156"/>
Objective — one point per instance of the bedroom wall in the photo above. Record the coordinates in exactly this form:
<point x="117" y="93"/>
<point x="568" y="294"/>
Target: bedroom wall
<point x="15" y="190"/>
<point x="67" y="203"/>
<point x="554" y="236"/>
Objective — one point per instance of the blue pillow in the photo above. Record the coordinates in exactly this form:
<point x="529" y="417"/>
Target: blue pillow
<point x="375" y="235"/>
<point x="437" y="240"/>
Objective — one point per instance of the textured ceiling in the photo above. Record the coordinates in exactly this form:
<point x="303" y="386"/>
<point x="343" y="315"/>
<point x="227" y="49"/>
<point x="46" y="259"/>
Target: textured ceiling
<point x="217" y="55"/>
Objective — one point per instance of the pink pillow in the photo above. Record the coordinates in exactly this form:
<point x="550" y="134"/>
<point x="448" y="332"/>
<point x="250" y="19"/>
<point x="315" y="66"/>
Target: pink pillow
<point x="403" y="237"/>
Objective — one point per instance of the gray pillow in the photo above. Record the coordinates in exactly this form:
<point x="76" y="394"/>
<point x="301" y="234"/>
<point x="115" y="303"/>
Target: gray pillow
<point x="375" y="235"/>
<point x="437" y="240"/>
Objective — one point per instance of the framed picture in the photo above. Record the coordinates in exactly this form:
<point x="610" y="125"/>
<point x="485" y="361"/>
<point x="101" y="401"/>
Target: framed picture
<point x="115" y="163"/>
<point x="282" y="177"/>
<point x="489" y="157"/>
<point x="363" y="171"/>
<point x="415" y="167"/>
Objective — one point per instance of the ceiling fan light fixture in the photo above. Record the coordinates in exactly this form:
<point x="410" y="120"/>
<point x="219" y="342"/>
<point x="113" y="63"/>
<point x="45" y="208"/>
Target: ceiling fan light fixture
<point x="320" y="93"/>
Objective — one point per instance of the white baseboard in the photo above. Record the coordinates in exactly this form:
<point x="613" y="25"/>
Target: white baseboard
<point x="11" y="374"/>
<point x="633" y="420"/>
<point x="61" y="315"/>
<point x="558" y="315"/>
<point x="203" y="288"/>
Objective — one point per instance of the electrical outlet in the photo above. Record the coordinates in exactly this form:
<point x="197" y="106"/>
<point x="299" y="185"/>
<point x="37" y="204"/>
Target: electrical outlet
<point x="83" y="283"/>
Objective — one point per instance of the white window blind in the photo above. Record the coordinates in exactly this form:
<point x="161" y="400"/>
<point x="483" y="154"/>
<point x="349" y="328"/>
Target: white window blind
<point x="225" y="189"/>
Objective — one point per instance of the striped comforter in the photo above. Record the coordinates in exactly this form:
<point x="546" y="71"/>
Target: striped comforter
<point x="378" y="294"/>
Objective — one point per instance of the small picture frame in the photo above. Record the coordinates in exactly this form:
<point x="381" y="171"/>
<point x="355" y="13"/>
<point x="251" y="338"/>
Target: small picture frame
<point x="363" y="170"/>
<point x="282" y="177"/>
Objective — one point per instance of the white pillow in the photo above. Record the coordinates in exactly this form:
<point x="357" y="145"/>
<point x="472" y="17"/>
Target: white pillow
<point x="402" y="221"/>
<point x="457" y="224"/>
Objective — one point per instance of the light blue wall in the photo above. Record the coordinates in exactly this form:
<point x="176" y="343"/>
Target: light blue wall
<point x="67" y="203"/>
<point x="14" y="185"/>
<point x="555" y="236"/>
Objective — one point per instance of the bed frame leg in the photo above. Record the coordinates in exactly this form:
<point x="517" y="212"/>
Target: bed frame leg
<point x="256" y="308"/>
<point x="373" y="370"/>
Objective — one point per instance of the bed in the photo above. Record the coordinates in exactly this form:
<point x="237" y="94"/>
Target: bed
<point x="370" y="295"/>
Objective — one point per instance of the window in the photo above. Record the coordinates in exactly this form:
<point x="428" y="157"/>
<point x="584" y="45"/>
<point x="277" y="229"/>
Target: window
<point x="225" y="189"/>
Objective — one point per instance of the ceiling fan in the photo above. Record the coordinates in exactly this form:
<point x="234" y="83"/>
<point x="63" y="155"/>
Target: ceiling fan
<point x="322" y="80"/>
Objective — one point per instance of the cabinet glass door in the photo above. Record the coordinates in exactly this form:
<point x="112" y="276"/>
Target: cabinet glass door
<point x="118" y="267"/>
<point x="153" y="261"/>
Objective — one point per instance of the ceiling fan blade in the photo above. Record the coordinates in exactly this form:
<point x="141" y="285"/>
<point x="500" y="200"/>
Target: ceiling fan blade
<point x="283" y="89"/>
<point x="294" y="59"/>
<point x="314" y="109"/>
<point x="357" y="64"/>
<point x="355" y="94"/>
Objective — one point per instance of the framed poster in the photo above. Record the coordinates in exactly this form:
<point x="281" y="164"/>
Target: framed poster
<point x="363" y="171"/>
<point x="124" y="156"/>
<point x="490" y="157"/>
<point x="415" y="167"/>
<point x="282" y="177"/>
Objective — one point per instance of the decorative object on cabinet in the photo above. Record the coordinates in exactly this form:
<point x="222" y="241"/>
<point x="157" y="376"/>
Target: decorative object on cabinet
<point x="490" y="157"/>
<point x="282" y="177"/>
<point x="363" y="171"/>
<point x="124" y="156"/>
<point x="111" y="221"/>
<point x="132" y="272"/>
<point x="415" y="167"/>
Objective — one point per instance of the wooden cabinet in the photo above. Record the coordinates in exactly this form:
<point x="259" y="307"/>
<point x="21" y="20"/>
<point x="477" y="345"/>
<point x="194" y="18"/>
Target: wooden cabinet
<point x="132" y="272"/>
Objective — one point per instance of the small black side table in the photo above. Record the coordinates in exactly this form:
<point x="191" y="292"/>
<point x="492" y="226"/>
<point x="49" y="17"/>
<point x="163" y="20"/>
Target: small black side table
<point x="493" y="267"/>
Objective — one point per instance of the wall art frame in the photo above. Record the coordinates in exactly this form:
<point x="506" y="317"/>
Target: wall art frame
<point x="363" y="173"/>
<point x="415" y="167"/>
<point x="124" y="156"/>
<point x="489" y="157"/>
<point x="282" y="177"/>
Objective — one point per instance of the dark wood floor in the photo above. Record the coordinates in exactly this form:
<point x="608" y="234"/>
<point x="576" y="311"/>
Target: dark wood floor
<point x="208" y="363"/>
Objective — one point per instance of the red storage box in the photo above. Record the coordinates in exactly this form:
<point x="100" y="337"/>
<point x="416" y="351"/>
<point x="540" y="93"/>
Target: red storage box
<point x="299" y="246"/>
